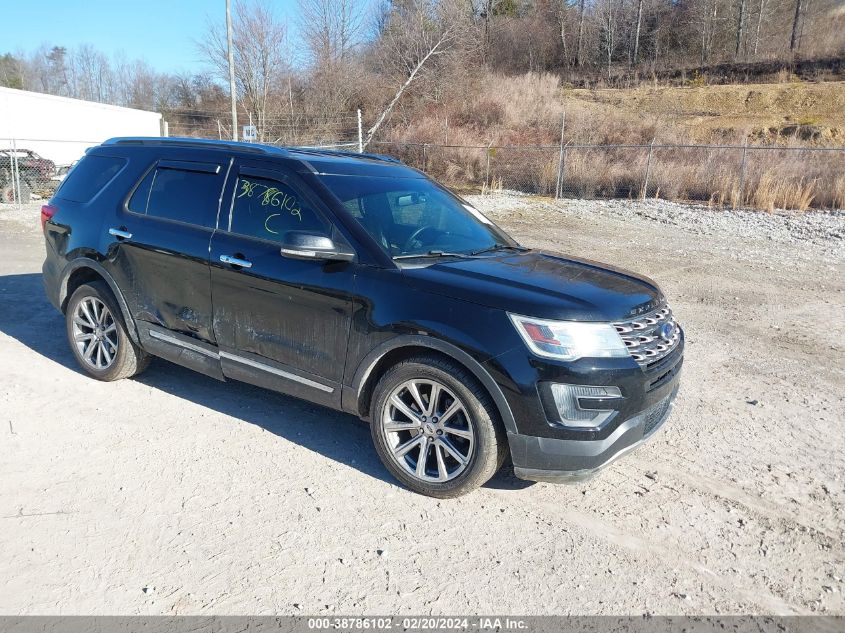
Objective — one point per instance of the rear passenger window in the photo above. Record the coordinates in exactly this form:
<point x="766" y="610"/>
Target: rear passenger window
<point x="178" y="194"/>
<point x="267" y="209"/>
<point x="89" y="176"/>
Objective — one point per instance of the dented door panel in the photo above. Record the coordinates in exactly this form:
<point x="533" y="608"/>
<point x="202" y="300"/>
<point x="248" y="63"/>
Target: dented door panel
<point x="164" y="275"/>
<point x="292" y="312"/>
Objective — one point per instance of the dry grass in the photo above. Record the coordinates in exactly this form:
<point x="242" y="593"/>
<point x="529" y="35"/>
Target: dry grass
<point x="515" y="113"/>
<point x="838" y="192"/>
<point x="774" y="179"/>
<point x="772" y="192"/>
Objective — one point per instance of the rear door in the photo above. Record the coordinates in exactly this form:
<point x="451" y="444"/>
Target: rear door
<point x="280" y="323"/>
<point x="159" y="249"/>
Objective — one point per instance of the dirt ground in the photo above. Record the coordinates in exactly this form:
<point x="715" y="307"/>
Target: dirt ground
<point x="174" y="494"/>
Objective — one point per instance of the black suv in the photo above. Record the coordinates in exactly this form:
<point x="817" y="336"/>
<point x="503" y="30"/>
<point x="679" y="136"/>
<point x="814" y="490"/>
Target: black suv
<point x="358" y="283"/>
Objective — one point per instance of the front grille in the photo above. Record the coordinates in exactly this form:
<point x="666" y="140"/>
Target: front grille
<point x="648" y="338"/>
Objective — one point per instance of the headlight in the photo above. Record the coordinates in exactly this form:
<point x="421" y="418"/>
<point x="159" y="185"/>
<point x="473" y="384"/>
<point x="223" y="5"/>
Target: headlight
<point x="569" y="340"/>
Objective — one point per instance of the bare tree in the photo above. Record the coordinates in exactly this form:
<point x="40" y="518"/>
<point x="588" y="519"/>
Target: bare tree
<point x="607" y="14"/>
<point x="579" y="47"/>
<point x="414" y="33"/>
<point x="637" y="32"/>
<point x="760" y="13"/>
<point x="259" y="40"/>
<point x="794" y="40"/>
<point x="331" y="28"/>
<point x="562" y="17"/>
<point x="332" y="31"/>
<point x="707" y="22"/>
<point x="92" y="76"/>
<point x="740" y="27"/>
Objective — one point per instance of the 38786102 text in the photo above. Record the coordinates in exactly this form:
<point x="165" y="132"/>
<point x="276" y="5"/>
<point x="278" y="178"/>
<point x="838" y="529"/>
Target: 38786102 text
<point x="417" y="623"/>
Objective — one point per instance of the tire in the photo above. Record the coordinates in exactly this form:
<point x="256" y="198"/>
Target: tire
<point x="462" y="423"/>
<point x="98" y="339"/>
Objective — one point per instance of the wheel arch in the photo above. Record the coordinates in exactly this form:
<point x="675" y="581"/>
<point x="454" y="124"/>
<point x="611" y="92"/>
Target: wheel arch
<point x="83" y="270"/>
<point x="358" y="397"/>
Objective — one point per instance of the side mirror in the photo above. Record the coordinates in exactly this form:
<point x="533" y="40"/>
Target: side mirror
<point x="303" y="245"/>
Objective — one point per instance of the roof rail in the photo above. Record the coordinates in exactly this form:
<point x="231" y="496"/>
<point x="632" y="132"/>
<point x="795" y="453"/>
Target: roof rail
<point x="193" y="142"/>
<point x="344" y="153"/>
<point x="255" y="148"/>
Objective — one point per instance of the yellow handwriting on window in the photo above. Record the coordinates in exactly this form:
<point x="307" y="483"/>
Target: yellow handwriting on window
<point x="267" y="222"/>
<point x="272" y="197"/>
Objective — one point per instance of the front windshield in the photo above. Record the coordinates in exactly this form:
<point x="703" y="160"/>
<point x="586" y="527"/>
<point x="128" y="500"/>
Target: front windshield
<point x="414" y="216"/>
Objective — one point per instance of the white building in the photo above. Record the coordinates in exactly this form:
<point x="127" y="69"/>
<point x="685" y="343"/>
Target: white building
<point x="61" y="129"/>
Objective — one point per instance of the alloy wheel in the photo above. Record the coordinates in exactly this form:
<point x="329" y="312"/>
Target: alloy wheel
<point x="95" y="333"/>
<point x="429" y="433"/>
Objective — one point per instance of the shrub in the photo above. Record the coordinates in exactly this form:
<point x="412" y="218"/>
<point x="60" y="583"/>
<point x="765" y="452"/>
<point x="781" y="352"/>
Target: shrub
<point x="480" y="114"/>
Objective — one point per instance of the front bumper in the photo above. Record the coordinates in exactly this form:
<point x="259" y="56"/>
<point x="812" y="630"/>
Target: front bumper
<point x="572" y="461"/>
<point x="544" y="448"/>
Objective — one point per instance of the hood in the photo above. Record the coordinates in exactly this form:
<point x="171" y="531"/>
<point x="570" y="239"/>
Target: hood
<point x="540" y="284"/>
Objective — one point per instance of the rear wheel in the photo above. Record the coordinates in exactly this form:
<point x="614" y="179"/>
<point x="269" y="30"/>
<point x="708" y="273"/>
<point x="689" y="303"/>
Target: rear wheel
<point x="98" y="337"/>
<point x="435" y="428"/>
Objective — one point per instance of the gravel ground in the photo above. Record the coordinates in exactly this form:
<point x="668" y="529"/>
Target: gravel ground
<point x="174" y="494"/>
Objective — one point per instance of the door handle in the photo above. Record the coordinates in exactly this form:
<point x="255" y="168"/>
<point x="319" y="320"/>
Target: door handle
<point x="235" y="261"/>
<point x="120" y="234"/>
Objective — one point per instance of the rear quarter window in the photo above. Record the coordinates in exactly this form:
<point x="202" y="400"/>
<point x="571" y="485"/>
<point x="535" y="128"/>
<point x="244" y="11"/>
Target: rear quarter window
<point x="183" y="195"/>
<point x="89" y="177"/>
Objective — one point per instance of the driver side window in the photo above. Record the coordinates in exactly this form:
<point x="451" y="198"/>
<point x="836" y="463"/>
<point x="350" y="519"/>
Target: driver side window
<point x="267" y="209"/>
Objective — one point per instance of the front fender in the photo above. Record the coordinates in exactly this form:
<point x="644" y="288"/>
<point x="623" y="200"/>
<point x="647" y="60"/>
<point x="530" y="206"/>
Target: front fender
<point x="353" y="394"/>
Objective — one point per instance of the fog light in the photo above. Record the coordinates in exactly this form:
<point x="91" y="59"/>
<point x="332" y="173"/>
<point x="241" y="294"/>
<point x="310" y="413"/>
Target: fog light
<point x="568" y="401"/>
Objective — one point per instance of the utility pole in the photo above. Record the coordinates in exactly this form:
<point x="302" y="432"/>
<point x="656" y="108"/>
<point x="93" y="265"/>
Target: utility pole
<point x="231" y="70"/>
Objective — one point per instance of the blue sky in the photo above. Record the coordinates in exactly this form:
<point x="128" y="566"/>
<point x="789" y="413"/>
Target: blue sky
<point x="162" y="32"/>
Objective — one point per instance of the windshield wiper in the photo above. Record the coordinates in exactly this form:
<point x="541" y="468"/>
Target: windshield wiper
<point x="500" y="247"/>
<point x="430" y="254"/>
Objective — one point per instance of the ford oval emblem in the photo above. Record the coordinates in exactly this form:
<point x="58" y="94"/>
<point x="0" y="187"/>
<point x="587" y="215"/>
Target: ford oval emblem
<point x="666" y="331"/>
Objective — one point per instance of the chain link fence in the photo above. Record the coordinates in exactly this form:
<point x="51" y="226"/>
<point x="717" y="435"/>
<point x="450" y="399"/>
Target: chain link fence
<point x="719" y="175"/>
<point x="26" y="174"/>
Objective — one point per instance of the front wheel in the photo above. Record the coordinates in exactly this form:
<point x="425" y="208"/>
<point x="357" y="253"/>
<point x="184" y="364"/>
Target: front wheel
<point x="98" y="337"/>
<point x="435" y="428"/>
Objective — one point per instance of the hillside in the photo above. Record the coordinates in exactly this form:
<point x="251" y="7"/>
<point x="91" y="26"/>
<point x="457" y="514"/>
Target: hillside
<point x="527" y="110"/>
<point x="509" y="112"/>
<point x="815" y="112"/>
